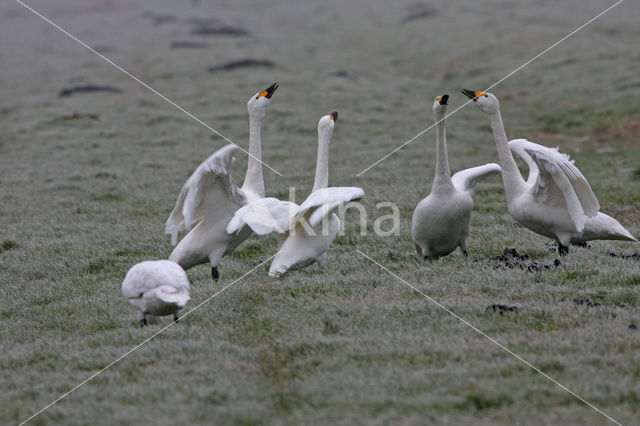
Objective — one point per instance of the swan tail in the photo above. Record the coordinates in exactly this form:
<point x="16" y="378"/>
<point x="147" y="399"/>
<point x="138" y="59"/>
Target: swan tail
<point x="169" y="294"/>
<point x="605" y="227"/>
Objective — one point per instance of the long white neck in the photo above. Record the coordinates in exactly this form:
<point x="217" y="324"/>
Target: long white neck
<point x="254" y="180"/>
<point x="443" y="173"/>
<point x="514" y="184"/>
<point x="322" y="162"/>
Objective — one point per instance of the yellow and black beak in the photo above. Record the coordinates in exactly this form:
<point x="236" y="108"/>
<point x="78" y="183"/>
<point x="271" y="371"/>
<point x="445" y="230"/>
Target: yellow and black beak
<point x="472" y="94"/>
<point x="334" y="115"/>
<point x="269" y="91"/>
<point x="443" y="99"/>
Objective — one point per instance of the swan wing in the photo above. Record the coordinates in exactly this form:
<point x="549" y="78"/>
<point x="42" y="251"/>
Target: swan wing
<point x="518" y="146"/>
<point x="170" y="294"/>
<point x="466" y="180"/>
<point x="321" y="202"/>
<point x="583" y="190"/>
<point x="554" y="186"/>
<point x="209" y="192"/>
<point x="151" y="274"/>
<point x="264" y="216"/>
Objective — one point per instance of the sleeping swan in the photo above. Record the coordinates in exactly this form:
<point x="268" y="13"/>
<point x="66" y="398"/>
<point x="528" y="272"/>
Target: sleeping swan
<point x="210" y="197"/>
<point x="556" y="200"/>
<point x="156" y="287"/>
<point x="440" y="222"/>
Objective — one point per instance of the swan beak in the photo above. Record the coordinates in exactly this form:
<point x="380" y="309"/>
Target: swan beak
<point x="472" y="94"/>
<point x="443" y="99"/>
<point x="269" y="91"/>
<point x="334" y="115"/>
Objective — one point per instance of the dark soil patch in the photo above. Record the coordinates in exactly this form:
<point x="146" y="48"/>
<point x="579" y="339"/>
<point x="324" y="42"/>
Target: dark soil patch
<point x="186" y="44"/>
<point x="8" y="245"/>
<point x="502" y="309"/>
<point x="243" y="63"/>
<point x="552" y="246"/>
<point x="583" y="302"/>
<point x="80" y="116"/>
<point x="510" y="258"/>
<point x="88" y="88"/>
<point x="634" y="256"/>
<point x="213" y="30"/>
<point x="159" y="19"/>
<point x="420" y="11"/>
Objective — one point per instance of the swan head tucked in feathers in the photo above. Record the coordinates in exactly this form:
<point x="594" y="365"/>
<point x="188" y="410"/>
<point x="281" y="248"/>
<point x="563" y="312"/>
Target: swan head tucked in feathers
<point x="486" y="101"/>
<point x="257" y="105"/>
<point x="440" y="107"/>
<point x="327" y="123"/>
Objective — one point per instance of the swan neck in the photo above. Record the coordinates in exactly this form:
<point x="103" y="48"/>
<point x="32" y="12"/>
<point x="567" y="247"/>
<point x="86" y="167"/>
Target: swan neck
<point x="513" y="182"/>
<point x="321" y="180"/>
<point x="443" y="173"/>
<point x="254" y="180"/>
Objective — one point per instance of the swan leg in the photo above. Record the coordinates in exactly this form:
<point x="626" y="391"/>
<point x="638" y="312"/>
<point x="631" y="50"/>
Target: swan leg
<point x="322" y="260"/>
<point x="143" y="321"/>
<point x="463" y="248"/>
<point x="214" y="273"/>
<point x="176" y="318"/>
<point x="562" y="249"/>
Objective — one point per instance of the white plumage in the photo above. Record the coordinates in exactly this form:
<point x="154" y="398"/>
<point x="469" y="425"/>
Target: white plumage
<point x="209" y="198"/>
<point x="156" y="287"/>
<point x="308" y="229"/>
<point x="440" y="222"/>
<point x="556" y="200"/>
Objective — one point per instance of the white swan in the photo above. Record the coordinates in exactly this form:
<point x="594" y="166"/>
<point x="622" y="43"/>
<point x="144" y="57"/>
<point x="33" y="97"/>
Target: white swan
<point x="156" y="287"/>
<point x="556" y="200"/>
<point x="440" y="222"/>
<point x="308" y="229"/>
<point x="210" y="197"/>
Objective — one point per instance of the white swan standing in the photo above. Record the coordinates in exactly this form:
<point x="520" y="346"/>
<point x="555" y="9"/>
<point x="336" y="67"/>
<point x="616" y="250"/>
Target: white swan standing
<point x="308" y="229"/>
<point x="556" y="201"/>
<point x="210" y="198"/>
<point x="156" y="287"/>
<point x="440" y="222"/>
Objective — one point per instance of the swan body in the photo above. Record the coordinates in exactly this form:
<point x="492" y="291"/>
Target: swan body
<point x="441" y="222"/>
<point x="209" y="198"/>
<point x="158" y="288"/>
<point x="556" y="200"/>
<point x="307" y="229"/>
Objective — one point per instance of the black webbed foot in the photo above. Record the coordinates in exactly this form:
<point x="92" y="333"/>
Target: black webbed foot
<point x="176" y="318"/>
<point x="143" y="322"/>
<point x="563" y="250"/>
<point x="214" y="273"/>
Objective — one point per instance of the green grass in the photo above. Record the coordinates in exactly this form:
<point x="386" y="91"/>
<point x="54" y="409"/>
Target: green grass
<point x="83" y="199"/>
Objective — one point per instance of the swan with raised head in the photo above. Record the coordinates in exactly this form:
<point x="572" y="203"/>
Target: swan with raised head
<point x="556" y="200"/>
<point x="209" y="198"/>
<point x="440" y="222"/>
<point x="308" y="229"/>
<point x="156" y="287"/>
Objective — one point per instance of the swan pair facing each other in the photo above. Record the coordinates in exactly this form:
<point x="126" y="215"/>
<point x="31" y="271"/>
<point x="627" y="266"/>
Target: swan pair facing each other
<point x="210" y="200"/>
<point x="555" y="201"/>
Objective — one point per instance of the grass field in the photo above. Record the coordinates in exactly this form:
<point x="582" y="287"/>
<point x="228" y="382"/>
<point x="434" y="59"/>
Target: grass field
<point x="87" y="181"/>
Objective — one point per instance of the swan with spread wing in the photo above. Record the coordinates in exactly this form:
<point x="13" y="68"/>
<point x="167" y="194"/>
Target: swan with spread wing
<point x="440" y="222"/>
<point x="556" y="200"/>
<point x="308" y="229"/>
<point x="209" y="198"/>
